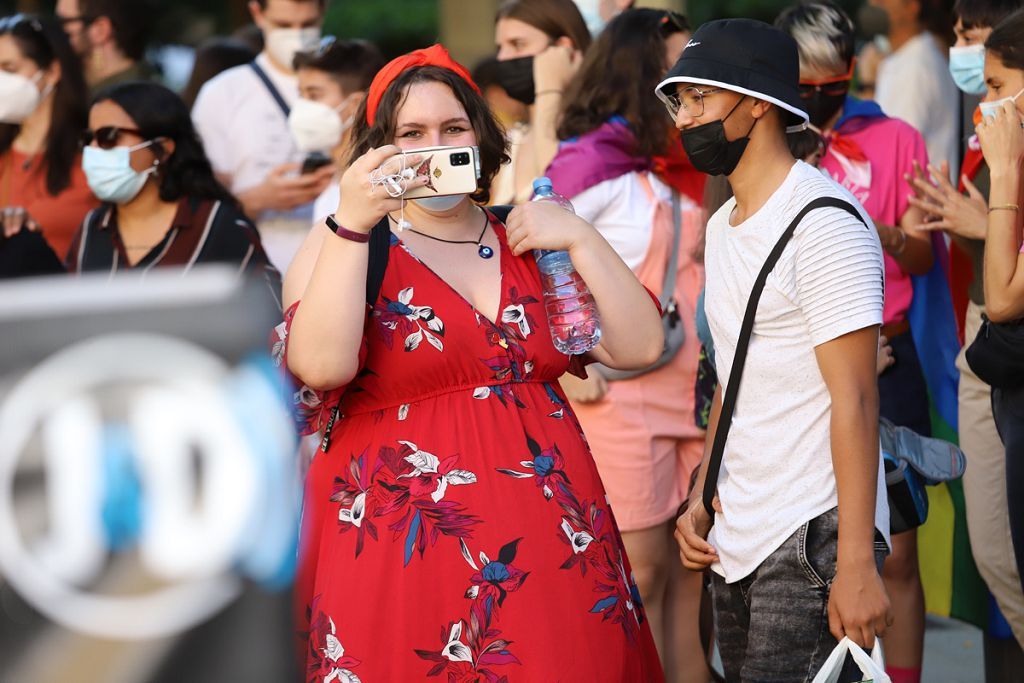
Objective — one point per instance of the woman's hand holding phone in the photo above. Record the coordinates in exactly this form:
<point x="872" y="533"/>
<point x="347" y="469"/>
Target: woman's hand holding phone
<point x="363" y="201"/>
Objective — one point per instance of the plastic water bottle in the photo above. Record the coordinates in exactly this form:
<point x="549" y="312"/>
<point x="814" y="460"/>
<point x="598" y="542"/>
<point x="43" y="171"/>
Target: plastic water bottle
<point x="572" y="313"/>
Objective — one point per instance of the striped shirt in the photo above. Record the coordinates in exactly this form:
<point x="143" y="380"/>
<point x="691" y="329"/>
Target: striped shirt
<point x="777" y="470"/>
<point x="203" y="231"/>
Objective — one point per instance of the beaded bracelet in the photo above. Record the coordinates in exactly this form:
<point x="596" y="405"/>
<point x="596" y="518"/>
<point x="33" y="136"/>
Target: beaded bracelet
<point x="351" y="235"/>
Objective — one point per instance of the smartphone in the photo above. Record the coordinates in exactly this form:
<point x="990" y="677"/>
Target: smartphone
<point x="315" y="160"/>
<point x="450" y="170"/>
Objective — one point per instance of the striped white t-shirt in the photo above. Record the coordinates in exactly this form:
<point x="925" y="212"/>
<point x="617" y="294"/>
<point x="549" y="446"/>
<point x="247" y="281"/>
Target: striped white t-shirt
<point x="777" y="470"/>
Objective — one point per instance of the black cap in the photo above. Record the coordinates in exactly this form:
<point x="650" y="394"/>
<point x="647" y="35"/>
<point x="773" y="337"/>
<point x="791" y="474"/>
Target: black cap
<point x="745" y="56"/>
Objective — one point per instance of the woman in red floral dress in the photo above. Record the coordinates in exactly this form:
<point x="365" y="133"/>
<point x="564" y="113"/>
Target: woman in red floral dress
<point x="454" y="523"/>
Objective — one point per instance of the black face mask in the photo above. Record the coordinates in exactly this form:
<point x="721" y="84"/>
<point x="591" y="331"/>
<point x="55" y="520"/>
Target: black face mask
<point x="710" y="151"/>
<point x="516" y="77"/>
<point x="821" y="107"/>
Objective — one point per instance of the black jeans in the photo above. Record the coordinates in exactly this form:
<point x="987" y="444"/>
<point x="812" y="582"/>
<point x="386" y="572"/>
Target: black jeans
<point x="1008" y="410"/>
<point x="773" y="625"/>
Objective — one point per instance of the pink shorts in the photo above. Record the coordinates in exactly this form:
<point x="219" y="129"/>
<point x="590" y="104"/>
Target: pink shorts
<point x="646" y="447"/>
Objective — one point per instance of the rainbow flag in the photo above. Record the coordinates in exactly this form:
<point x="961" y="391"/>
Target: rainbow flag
<point x="952" y="585"/>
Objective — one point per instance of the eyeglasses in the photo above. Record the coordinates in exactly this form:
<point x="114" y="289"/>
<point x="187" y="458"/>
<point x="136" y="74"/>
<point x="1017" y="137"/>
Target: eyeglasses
<point x="106" y="137"/>
<point x="64" y="21"/>
<point x="691" y="99"/>
<point x="835" y="86"/>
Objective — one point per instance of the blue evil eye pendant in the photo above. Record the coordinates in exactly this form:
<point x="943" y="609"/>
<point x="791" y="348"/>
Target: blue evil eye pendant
<point x="485" y="251"/>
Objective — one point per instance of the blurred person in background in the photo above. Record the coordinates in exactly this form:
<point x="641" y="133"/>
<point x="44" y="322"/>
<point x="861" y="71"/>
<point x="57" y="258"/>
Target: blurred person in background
<point x="333" y="81"/>
<point x="1002" y="142"/>
<point x="540" y="48"/>
<point x="870" y="155"/>
<point x="640" y="429"/>
<point x="913" y="81"/>
<point x="961" y="210"/>
<point x="242" y="119"/>
<point x="214" y="56"/>
<point x="43" y="102"/>
<point x="597" y="13"/>
<point x="509" y="111"/>
<point x="497" y="533"/>
<point x="110" y="37"/>
<point x="162" y="205"/>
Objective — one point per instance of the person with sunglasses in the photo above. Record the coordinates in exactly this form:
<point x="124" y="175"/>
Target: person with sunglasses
<point x="640" y="428"/>
<point x="162" y="205"/>
<point x="870" y="154"/>
<point x="42" y="113"/>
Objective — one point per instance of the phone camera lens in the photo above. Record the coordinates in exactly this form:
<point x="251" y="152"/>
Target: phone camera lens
<point x="460" y="159"/>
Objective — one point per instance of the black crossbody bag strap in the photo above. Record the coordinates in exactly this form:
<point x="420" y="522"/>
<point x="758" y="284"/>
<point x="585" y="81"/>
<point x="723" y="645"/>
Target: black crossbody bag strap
<point x="736" y="374"/>
<point x="380" y="249"/>
<point x="271" y="88"/>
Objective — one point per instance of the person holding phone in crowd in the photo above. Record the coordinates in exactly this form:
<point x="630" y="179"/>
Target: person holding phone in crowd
<point x="453" y="472"/>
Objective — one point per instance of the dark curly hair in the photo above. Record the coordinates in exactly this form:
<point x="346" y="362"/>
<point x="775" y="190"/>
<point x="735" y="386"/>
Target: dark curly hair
<point x="160" y="113"/>
<point x="618" y="76"/>
<point x="490" y="136"/>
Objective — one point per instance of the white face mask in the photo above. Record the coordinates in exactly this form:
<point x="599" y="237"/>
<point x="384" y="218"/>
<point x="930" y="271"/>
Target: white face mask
<point x="989" y="109"/>
<point x="19" y="96"/>
<point x="440" y="204"/>
<point x="316" y="127"/>
<point x="283" y="43"/>
<point x="110" y="174"/>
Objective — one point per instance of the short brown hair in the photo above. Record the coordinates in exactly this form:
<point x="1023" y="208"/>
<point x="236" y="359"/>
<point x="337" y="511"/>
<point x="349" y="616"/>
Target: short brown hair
<point x="557" y="18"/>
<point x="352" y="64"/>
<point x="490" y="136"/>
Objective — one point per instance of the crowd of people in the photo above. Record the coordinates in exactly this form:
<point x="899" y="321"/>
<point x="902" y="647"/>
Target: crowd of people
<point x="778" y="265"/>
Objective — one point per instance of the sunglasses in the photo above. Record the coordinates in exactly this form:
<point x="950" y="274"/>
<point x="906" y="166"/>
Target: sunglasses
<point x="106" y="137"/>
<point x="837" y="85"/>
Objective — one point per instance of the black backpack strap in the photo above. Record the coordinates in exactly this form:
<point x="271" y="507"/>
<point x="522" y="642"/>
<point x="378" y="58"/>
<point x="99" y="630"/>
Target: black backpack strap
<point x="271" y="88"/>
<point x="736" y="374"/>
<point x="501" y="211"/>
<point x="380" y="250"/>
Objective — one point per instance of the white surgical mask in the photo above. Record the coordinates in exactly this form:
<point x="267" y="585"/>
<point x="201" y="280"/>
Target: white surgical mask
<point x="967" y="66"/>
<point x="440" y="204"/>
<point x="110" y="174"/>
<point x="283" y="43"/>
<point x="19" y="96"/>
<point x="989" y="109"/>
<point x="316" y="127"/>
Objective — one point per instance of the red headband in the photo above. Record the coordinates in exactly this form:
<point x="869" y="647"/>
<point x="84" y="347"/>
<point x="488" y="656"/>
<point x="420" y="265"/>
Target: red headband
<point x="435" y="55"/>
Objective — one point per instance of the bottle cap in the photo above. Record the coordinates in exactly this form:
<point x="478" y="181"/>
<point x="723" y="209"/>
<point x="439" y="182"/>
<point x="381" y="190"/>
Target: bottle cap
<point x="541" y="183"/>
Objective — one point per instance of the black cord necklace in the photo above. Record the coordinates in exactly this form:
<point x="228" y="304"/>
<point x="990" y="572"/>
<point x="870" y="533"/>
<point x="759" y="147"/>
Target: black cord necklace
<point x="483" y="251"/>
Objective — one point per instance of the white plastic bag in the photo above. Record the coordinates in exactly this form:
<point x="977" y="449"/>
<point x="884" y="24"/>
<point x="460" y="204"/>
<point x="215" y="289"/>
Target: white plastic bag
<point x="873" y="667"/>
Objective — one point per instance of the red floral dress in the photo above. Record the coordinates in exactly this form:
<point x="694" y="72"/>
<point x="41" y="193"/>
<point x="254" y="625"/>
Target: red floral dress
<point x="455" y="526"/>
